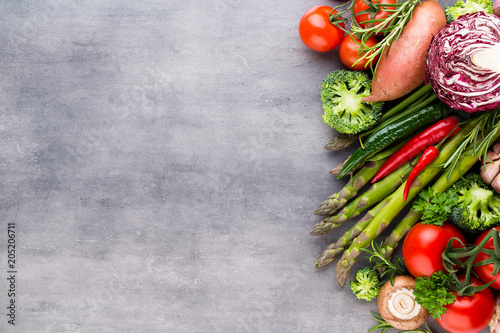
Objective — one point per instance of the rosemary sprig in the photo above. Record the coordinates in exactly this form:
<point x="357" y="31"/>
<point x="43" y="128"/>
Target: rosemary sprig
<point x="383" y="263"/>
<point x="478" y="140"/>
<point x="384" y="326"/>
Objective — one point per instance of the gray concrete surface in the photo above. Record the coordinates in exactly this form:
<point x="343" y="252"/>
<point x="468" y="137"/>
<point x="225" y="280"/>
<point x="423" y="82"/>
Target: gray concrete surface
<point x="160" y="164"/>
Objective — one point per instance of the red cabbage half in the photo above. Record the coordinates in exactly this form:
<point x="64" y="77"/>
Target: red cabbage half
<point x="463" y="63"/>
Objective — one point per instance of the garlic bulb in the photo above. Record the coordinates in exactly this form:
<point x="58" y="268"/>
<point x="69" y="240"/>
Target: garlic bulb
<point x="490" y="169"/>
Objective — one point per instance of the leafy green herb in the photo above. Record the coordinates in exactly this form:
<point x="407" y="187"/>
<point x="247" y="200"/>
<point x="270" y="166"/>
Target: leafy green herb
<point x="383" y="263"/>
<point x="433" y="293"/>
<point x="435" y="207"/>
<point x="384" y="326"/>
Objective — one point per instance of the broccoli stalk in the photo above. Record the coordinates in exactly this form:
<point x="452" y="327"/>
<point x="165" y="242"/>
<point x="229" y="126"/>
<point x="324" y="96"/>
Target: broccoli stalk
<point x="342" y="92"/>
<point x="462" y="7"/>
<point x="478" y="206"/>
<point x="366" y="284"/>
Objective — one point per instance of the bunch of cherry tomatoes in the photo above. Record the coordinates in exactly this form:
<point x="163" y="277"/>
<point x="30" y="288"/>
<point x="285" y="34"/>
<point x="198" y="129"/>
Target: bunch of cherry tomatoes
<point x="422" y="252"/>
<point x="319" y="34"/>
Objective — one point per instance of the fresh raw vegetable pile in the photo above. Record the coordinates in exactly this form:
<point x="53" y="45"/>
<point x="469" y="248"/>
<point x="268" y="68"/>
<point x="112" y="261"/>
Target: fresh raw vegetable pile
<point x="420" y="95"/>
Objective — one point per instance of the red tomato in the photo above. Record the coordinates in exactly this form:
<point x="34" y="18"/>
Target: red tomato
<point x="317" y="32"/>
<point x="424" y="245"/>
<point x="485" y="272"/>
<point x="349" y="52"/>
<point x="469" y="314"/>
<point x="360" y="6"/>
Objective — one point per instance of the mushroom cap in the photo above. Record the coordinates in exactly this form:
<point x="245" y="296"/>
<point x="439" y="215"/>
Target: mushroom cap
<point x="396" y="304"/>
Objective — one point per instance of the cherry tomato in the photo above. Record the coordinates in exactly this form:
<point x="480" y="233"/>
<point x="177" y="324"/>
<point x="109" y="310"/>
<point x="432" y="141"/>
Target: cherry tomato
<point x="424" y="245"/>
<point x="485" y="272"/>
<point x="349" y="52"/>
<point x="317" y="32"/>
<point x="469" y="314"/>
<point x="360" y="6"/>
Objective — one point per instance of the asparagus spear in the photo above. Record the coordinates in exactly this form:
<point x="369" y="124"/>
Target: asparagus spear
<point x="356" y="182"/>
<point x="393" y="205"/>
<point x="341" y="141"/>
<point x="334" y="249"/>
<point x="336" y="170"/>
<point x="373" y="195"/>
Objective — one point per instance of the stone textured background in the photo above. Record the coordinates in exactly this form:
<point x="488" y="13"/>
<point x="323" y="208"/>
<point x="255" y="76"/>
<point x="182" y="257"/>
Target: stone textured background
<point x="161" y="161"/>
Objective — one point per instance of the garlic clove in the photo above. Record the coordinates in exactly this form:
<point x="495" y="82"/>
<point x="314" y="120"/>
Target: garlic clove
<point x="496" y="184"/>
<point x="496" y="8"/>
<point x="496" y="148"/>
<point x="489" y="171"/>
<point x="491" y="156"/>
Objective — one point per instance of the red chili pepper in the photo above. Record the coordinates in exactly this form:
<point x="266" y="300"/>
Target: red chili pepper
<point x="428" y="156"/>
<point x="416" y="145"/>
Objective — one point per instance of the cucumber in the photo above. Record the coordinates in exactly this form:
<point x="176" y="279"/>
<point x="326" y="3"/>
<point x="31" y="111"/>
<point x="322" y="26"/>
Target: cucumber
<point x="389" y="134"/>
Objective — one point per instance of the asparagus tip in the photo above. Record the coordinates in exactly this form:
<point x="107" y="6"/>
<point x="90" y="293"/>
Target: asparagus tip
<point x="342" y="271"/>
<point x="327" y="257"/>
<point x="322" y="228"/>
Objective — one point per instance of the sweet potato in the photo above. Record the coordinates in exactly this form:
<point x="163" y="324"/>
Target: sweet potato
<point x="402" y="69"/>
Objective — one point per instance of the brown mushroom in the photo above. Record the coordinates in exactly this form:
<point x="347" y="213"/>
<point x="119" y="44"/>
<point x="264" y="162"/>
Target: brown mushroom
<point x="396" y="304"/>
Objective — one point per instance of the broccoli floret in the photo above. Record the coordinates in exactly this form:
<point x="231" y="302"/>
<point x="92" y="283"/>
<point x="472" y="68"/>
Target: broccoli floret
<point x="366" y="284"/>
<point x="341" y="93"/>
<point x="462" y="7"/>
<point x="478" y="206"/>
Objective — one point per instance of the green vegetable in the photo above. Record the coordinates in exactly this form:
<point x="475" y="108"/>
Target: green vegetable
<point x="393" y="132"/>
<point x="366" y="284"/>
<point x="341" y="93"/>
<point x="467" y="7"/>
<point x="433" y="293"/>
<point x="435" y="206"/>
<point x="334" y="249"/>
<point x="338" y="200"/>
<point x="367" y="199"/>
<point x="478" y="206"/>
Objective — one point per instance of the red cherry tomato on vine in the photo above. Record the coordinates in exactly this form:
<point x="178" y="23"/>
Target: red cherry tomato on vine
<point x="424" y="245"/>
<point x="469" y="314"/>
<point x="485" y="272"/>
<point x="317" y="32"/>
<point x="360" y="6"/>
<point x="349" y="52"/>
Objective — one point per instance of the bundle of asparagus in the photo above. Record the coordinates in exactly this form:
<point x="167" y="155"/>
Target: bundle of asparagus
<point x="383" y="200"/>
